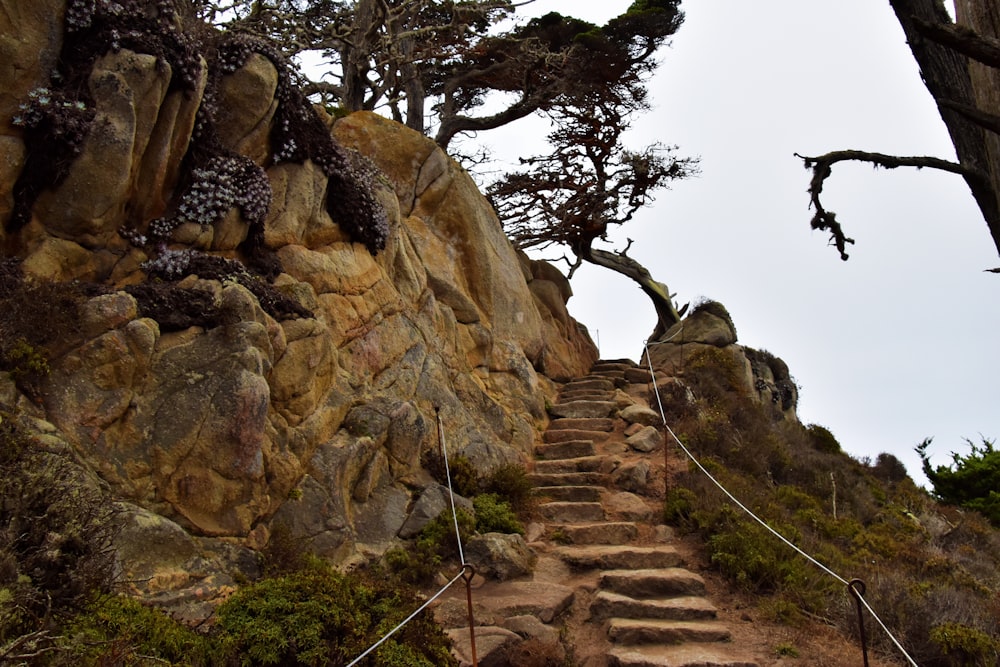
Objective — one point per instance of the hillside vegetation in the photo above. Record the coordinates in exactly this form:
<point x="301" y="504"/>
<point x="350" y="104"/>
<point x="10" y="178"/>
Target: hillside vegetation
<point x="930" y="570"/>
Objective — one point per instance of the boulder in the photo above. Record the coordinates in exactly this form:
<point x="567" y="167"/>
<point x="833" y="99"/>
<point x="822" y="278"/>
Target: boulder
<point x="500" y="556"/>
<point x="649" y="439"/>
<point x="640" y="414"/>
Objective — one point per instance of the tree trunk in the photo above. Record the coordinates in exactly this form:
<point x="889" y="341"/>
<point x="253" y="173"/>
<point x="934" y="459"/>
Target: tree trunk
<point x="355" y="57"/>
<point x="946" y="74"/>
<point x="983" y="16"/>
<point x="659" y="294"/>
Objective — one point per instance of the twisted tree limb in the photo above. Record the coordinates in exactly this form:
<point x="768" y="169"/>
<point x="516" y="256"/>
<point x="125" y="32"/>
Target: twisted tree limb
<point x="822" y="167"/>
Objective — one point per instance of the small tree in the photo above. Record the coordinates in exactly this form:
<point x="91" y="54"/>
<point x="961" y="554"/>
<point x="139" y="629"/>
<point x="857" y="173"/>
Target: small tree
<point x="972" y="481"/>
<point x="588" y="182"/>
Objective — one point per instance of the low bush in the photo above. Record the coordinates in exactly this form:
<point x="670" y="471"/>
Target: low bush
<point x="494" y="515"/>
<point x="318" y="616"/>
<point x="56" y="535"/>
<point x="117" y="630"/>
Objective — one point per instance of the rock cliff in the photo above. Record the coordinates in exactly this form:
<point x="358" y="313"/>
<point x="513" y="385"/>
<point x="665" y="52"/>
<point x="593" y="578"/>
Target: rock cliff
<point x="313" y="417"/>
<point x="248" y="334"/>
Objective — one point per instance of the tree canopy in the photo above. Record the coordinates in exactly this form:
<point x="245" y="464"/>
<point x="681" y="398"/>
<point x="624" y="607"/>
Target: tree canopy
<point x="589" y="181"/>
<point x="972" y="481"/>
<point x="450" y="67"/>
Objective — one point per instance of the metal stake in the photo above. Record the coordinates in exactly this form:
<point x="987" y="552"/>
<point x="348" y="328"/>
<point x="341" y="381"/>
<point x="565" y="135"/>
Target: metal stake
<point x="857" y="589"/>
<point x="468" y="572"/>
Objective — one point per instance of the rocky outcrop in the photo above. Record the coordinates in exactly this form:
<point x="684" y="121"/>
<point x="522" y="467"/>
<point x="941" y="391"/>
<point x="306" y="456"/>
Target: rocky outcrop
<point x="319" y="423"/>
<point x="709" y="330"/>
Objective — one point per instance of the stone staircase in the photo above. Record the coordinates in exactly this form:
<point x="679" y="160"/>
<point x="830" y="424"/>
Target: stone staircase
<point x="631" y="602"/>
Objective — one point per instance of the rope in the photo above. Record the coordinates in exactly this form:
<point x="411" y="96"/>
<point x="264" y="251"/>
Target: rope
<point x="461" y="555"/>
<point x="451" y="492"/>
<point x="824" y="568"/>
<point x="407" y="619"/>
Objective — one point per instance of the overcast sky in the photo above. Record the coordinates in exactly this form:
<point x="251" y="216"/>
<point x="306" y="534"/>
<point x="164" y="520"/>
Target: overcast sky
<point x="892" y="346"/>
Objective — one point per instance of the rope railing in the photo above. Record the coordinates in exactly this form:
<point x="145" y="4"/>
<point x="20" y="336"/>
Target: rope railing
<point x="851" y="585"/>
<point x="466" y="572"/>
<point x="406" y="620"/>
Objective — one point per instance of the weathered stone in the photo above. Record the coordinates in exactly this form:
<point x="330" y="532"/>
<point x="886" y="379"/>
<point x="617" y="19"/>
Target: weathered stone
<point x="568" y="435"/>
<point x="610" y="532"/>
<point x="529" y="627"/>
<point x="565" y="450"/>
<point x="501" y="556"/>
<point x="649" y="439"/>
<point x="640" y="414"/>
<point x="583" y="409"/>
<point x="638" y="376"/>
<point x="652" y="583"/>
<point x="629" y="631"/>
<point x="571" y="511"/>
<point x="575" y="494"/>
<point x="612" y="557"/>
<point x="628" y="507"/>
<point x="681" y="608"/>
<point x="492" y="643"/>
<point x="432" y="501"/>
<point x="580" y="464"/>
<point x="314" y="424"/>
<point x="600" y="424"/>
<point x="633" y="476"/>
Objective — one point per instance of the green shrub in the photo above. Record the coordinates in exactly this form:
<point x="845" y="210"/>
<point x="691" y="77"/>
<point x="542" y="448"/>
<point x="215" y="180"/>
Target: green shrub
<point x="971" y="481"/>
<point x="494" y="515"/>
<point x="964" y="645"/>
<point x="56" y="535"/>
<point x="318" y="616"/>
<point x="822" y="439"/>
<point x="464" y="476"/>
<point x="785" y="650"/>
<point x="120" y="629"/>
<point x="510" y="482"/>
<point x="679" y="506"/>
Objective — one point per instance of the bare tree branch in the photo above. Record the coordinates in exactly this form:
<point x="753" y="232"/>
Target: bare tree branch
<point x="981" y="118"/>
<point x="961" y="39"/>
<point x="822" y="167"/>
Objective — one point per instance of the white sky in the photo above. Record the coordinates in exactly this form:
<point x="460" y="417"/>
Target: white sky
<point x="890" y="347"/>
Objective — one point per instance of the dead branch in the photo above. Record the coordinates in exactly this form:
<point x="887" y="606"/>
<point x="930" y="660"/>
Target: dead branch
<point x="962" y="39"/>
<point x="981" y="118"/>
<point x="822" y="167"/>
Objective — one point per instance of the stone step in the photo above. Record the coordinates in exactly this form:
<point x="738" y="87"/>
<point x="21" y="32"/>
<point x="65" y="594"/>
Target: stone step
<point x="619" y="557"/>
<point x="585" y="424"/>
<point x="638" y="376"/>
<point x="652" y="583"/>
<point x="632" y="631"/>
<point x="583" y="409"/>
<point x="681" y="608"/>
<point x="684" y="655"/>
<point x="570" y="449"/>
<point x="571" y="512"/>
<point x="494" y="601"/>
<point x="616" y="375"/>
<point x="578" y="464"/>
<point x="609" y="371"/>
<point x="567" y="479"/>
<point x="606" y="532"/>
<point x="612" y="364"/>
<point x="590" y="383"/>
<point x="575" y="434"/>
<point x="570" y="494"/>
<point x="568" y="395"/>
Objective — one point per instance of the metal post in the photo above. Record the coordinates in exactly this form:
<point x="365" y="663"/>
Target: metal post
<point x="468" y="573"/>
<point x="857" y="589"/>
